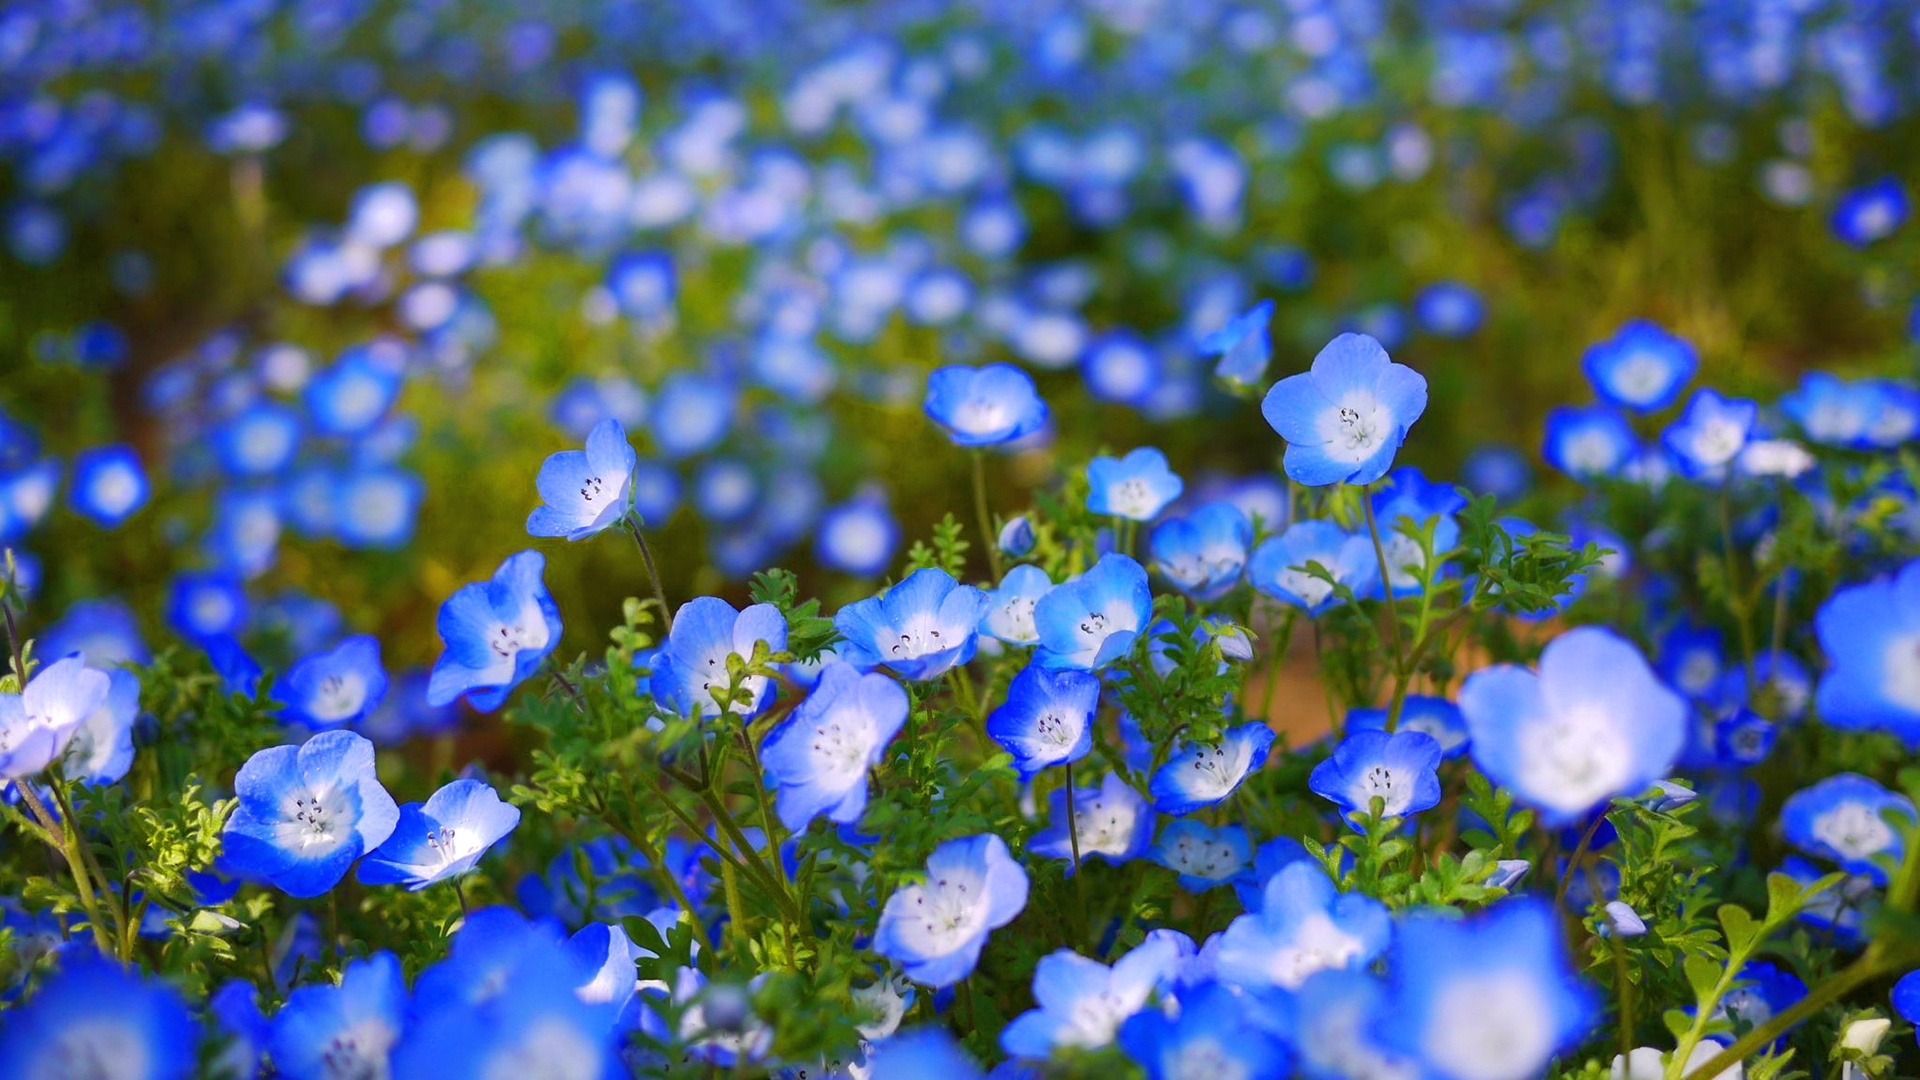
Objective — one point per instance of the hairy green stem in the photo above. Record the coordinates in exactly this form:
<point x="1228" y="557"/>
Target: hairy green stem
<point x="988" y="539"/>
<point x="653" y="573"/>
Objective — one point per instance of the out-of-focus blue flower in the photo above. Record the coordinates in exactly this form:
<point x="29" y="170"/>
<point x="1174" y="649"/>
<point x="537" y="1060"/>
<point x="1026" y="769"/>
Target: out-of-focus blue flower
<point x="1587" y="443"/>
<point x="692" y="414"/>
<point x="1499" y="471"/>
<point x="820" y="756"/>
<point x="242" y="1029"/>
<point x="584" y="491"/>
<point x="1843" y="819"/>
<point x="1338" y="1020"/>
<point x="1692" y="660"/>
<point x="96" y="1018"/>
<point x="936" y="929"/>
<point x="1122" y="367"/>
<point x="441" y="838"/>
<point x="1137" y="486"/>
<point x="1710" y="434"/>
<point x="38" y="724"/>
<point x="259" y="441"/>
<point x="1047" y="718"/>
<point x="307" y="812"/>
<point x="1217" y="1031"/>
<point x="101" y="748"/>
<point x="927" y="1053"/>
<point x="206" y="604"/>
<point x="328" y="1030"/>
<point x="1641" y="367"/>
<point x="496" y="633"/>
<point x="1870" y="634"/>
<point x="538" y="1021"/>
<point x="337" y="687"/>
<point x="1278" y="567"/>
<point x="1199" y="775"/>
<point x="1345" y="417"/>
<point x="1303" y="925"/>
<point x="1094" y="619"/>
<point x="1111" y="822"/>
<point x="1764" y="990"/>
<point x="984" y="406"/>
<point x="350" y="396"/>
<point x="1448" y="309"/>
<point x="644" y="286"/>
<point x="108" y="484"/>
<point x="692" y="665"/>
<point x="1203" y="552"/>
<point x="1397" y="769"/>
<point x="104" y="631"/>
<point x="1202" y="855"/>
<point x="858" y="536"/>
<point x="1081" y="1003"/>
<point x="1873" y="212"/>
<point x="1242" y="346"/>
<point x="1432" y="716"/>
<point x="376" y="506"/>
<point x="921" y="628"/>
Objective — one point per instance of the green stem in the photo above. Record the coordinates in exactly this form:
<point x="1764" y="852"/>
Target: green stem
<point x="653" y="573"/>
<point x="1736" y="600"/>
<point x="1073" y="844"/>
<point x="1864" y="970"/>
<point x="82" y="884"/>
<point x="1386" y="581"/>
<point x="988" y="539"/>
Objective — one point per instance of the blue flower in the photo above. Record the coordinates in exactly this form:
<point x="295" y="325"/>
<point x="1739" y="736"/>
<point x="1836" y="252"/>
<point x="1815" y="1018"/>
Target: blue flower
<point x="1047" y="718"/>
<point x="1279" y="565"/>
<point x="1641" y="367"/>
<point x="921" y="628"/>
<point x="307" y="812"/>
<point x="1016" y="537"/>
<point x="1345" y="417"/>
<point x="38" y="724"/>
<point x="350" y="397"/>
<point x="1493" y="995"/>
<point x="1844" y="818"/>
<point x="1764" y="991"/>
<point x="1906" y="997"/>
<point x="643" y="285"/>
<point x="936" y="928"/>
<point x="1304" y="925"/>
<point x="108" y="484"/>
<point x="1500" y="471"/>
<point x="1094" y="619"/>
<point x="96" y="1018"/>
<point x="1338" y="1020"/>
<point x="335" y="688"/>
<point x="926" y="1053"/>
<point x="584" y="491"/>
<point x="1448" y="309"/>
<point x="1136" y="487"/>
<point x="258" y="441"/>
<point x="242" y="1029"/>
<point x="1011" y="607"/>
<point x="1111" y="821"/>
<point x="1593" y="724"/>
<point x="1434" y="716"/>
<point x="1242" y="346"/>
<point x="207" y="604"/>
<point x="1397" y="769"/>
<point x="1200" y="775"/>
<point x="326" y="1030"/>
<point x="984" y="406"/>
<point x="1710" y="434"/>
<point x="1587" y="443"/>
<point x="1873" y="212"/>
<point x="1122" y="367"/>
<point x="1081" y="1003"/>
<point x="857" y="537"/>
<point x="1402" y="508"/>
<point x="692" y="666"/>
<point x="441" y="838"/>
<point x="1692" y="660"/>
<point x="1217" y="1033"/>
<point x="1203" y="552"/>
<point x="1202" y="855"/>
<point x="538" y="1023"/>
<point x="1871" y="636"/>
<point x="819" y="756"/>
<point x="496" y="633"/>
<point x="101" y="749"/>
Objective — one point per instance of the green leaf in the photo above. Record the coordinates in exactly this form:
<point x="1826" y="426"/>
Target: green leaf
<point x="1703" y="975"/>
<point x="1740" y="928"/>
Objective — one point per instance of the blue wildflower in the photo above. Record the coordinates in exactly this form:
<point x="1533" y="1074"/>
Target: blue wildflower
<point x="1122" y="367"/>
<point x="1873" y="212"/>
<point x="109" y="485"/>
<point x="1094" y="619"/>
<point x="207" y="604"/>
<point x="1011" y="608"/>
<point x="441" y="838"/>
<point x="1844" y="818"/>
<point x="375" y="506"/>
<point x="1397" y="769"/>
<point x="984" y="406"/>
<point x="819" y="757"/>
<point x="1203" y="552"/>
<point x="1764" y="990"/>
<point x="1402" y="508"/>
<point x="1111" y="821"/>
<point x="1304" y="924"/>
<point x="537" y="1023"/>
<point x="1345" y="417"/>
<point x="258" y="441"/>
<point x="1500" y="471"/>
<point x="921" y="628"/>
<point x="1242" y="346"/>
<point x="1278" y="567"/>
<point x="1433" y="716"/>
<point x="101" y="749"/>
<point x="1081" y="1002"/>
<point x="1587" y="443"/>
<point x="1217" y="1033"/>
<point x="1692" y="659"/>
<point x="1710" y="434"/>
<point x="1047" y="718"/>
<point x="926" y="1053"/>
<point x="1448" y="309"/>
<point x="242" y="1029"/>
<point x="1871" y="635"/>
<point x="858" y="536"/>
<point x="307" y="812"/>
<point x="1641" y="367"/>
<point x="335" y="688"/>
<point x="38" y="724"/>
<point x="936" y="928"/>
<point x="1136" y="487"/>
<point x="1199" y="775"/>
<point x="584" y="491"/>
<point x="496" y="633"/>
<point x="1340" y="1015"/>
<point x="96" y="1018"/>
<point x="692" y="666"/>
<point x="1202" y="855"/>
<point x="349" y="398"/>
<point x="349" y="1029"/>
<point x="1016" y="537"/>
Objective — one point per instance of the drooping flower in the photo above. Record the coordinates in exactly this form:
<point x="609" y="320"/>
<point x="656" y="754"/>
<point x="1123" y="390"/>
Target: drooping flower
<point x="96" y="1018"/>
<point x="496" y="633"/>
<point x="1710" y="434"/>
<point x="1094" y="619"/>
<point x="1592" y="724"/>
<point x="921" y="628"/>
<point x="1202" y="855"/>
<point x="1588" y="443"/>
<point x="820" y="756"/>
<point x="984" y="406"/>
<point x="37" y="724"/>
<point x="1843" y="818"/>
<point x="1242" y="346"/>
<point x="1433" y="716"/>
<point x="1279" y="565"/>
<point x="307" y="812"/>
<point x="109" y="484"/>
<point x="1493" y="996"/>
<point x="1010" y="608"/>
<point x="1201" y="775"/>
<point x="1136" y="487"/>
<point x="328" y="1030"/>
<point x="441" y="838"/>
<point x="1081" y="1002"/>
<point x="584" y="491"/>
<point x="1304" y="925"/>
<point x="1047" y="718"/>
<point x="1346" y="416"/>
<point x="1641" y="367"/>
<point x="1110" y="822"/>
<point x="1203" y="552"/>
<point x="1217" y="1033"/>
<point x="335" y="688"/>
<point x="1397" y="769"/>
<point x="1871" y="636"/>
<point x="692" y="666"/>
<point x="935" y="929"/>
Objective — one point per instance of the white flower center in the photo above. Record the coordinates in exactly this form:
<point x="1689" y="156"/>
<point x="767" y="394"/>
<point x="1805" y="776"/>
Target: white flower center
<point x="1206" y="859"/>
<point x="358" y="1053"/>
<point x="314" y="823"/>
<point x="1104" y="828"/>
<point x="947" y="912"/>
<point x="97" y="1048"/>
<point x="1640" y="377"/>
<point x="920" y="637"/>
<point x="1574" y="759"/>
<point x="1216" y="769"/>
<point x="1014" y="620"/>
<point x="1901" y="673"/>
<point x="1389" y="785"/>
<point x="840" y="746"/>
<point x="1205" y="1059"/>
<point x="338" y="697"/>
<point x="1489" y="1026"/>
<point x="1355" y="427"/>
<point x="1854" y="830"/>
<point x="1313" y="590"/>
<point x="1318" y="945"/>
<point x="1132" y="498"/>
<point x="551" y="1050"/>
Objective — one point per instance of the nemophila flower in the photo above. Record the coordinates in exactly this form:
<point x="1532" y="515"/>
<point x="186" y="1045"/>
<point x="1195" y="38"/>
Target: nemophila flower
<point x="1500" y="471"/>
<point x="375" y="507"/>
<point x="1594" y="723"/>
<point x="1493" y="996"/>
<point x="926" y="1053"/>
<point x="328" y="1030"/>
<point x="692" y="414"/>
<point x="606" y="955"/>
<point x="1844" y="818"/>
<point x="1764" y="990"/>
<point x="1871" y="636"/>
<point x="1692" y="659"/>
<point x="1200" y="775"/>
<point x="820" y="755"/>
<point x="1081" y="1002"/>
<point x="1433" y="716"/>
<point x="692" y="666"/>
<point x="335" y="688"/>
<point x="1016" y="537"/>
<point x="1203" y="552"/>
<point x="1710" y="434"/>
<point x="1094" y="619"/>
<point x="240" y="1027"/>
<point x="207" y="604"/>
<point x="1304" y="925"/>
<point x="496" y="633"/>
<point x="1587" y="443"/>
<point x="1012" y="606"/>
<point x="1242" y="346"/>
<point x="984" y="406"/>
<point x="537" y="1025"/>
<point x="935" y="929"/>
<point x="441" y="838"/>
<point x="1397" y="769"/>
<point x="921" y="628"/>
<point x="1641" y="367"/>
<point x="1832" y="411"/>
<point x="349" y="397"/>
<point x="1840" y="913"/>
<point x="1345" y="417"/>
<point x="108" y="484"/>
<point x="101" y="749"/>
<point x="1047" y="718"/>
<point x="1278" y="567"/>
<point x="1782" y="687"/>
<point x="38" y="724"/>
<point x="1339" y="1015"/>
<point x="1122" y="367"/>
<point x="584" y="491"/>
<point x="1202" y="855"/>
<point x="1403" y="509"/>
<point x="644" y="285"/>
<point x="1448" y="309"/>
<point x="858" y="536"/>
<point x="258" y="441"/>
<point x="307" y="812"/>
<point x="1111" y="822"/>
<point x="1870" y="213"/>
<point x="1216" y="1033"/>
<point x="1136" y="487"/>
<point x="1618" y="919"/>
<point x="95" y="1018"/>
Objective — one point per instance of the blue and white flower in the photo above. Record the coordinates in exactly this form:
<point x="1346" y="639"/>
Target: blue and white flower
<point x="328" y="1030"/>
<point x="1588" y="443"/>
<point x="1871" y="636"/>
<point x="101" y="749"/>
<point x="1081" y="1003"/>
<point x="1203" y="552"/>
<point x="1217" y="1034"/>
<point x="1202" y="855"/>
<point x="585" y="491"/>
<point x="1110" y="822"/>
<point x="1242" y="346"/>
<point x="441" y="838"/>
<point x="1345" y="417"/>
<point x="1279" y="565"/>
<point x="1094" y="619"/>
<point x="95" y="1018"/>
<point x="1397" y="771"/>
<point x="1047" y="718"/>
<point x="935" y="929"/>
<point x="108" y="485"/>
<point x="984" y="406"/>
<point x="1641" y="367"/>
<point x="38" y="724"/>
<point x="496" y="633"/>
<point x="1202" y="775"/>
<point x="1844" y="818"/>
<point x="692" y="666"/>
<point x="307" y="812"/>
<point x="335" y="688"/>
<point x="921" y="628"/>
<point x="1304" y="925"/>
<point x="820" y="756"/>
<point x="1135" y="487"/>
<point x="1011" y="607"/>
<point x="1710" y="434"/>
